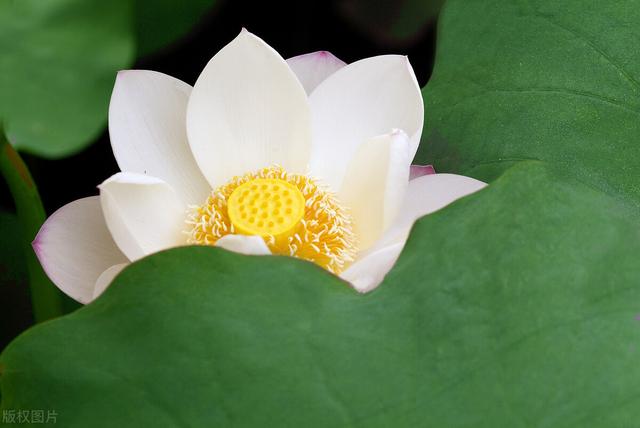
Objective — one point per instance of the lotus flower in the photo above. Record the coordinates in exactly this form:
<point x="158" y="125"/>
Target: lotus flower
<point x="308" y="158"/>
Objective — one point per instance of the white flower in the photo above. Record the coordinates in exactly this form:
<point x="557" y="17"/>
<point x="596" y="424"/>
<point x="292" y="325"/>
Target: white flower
<point x="310" y="155"/>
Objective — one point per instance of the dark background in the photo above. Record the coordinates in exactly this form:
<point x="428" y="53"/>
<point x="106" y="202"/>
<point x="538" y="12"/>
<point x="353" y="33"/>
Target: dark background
<point x="291" y="29"/>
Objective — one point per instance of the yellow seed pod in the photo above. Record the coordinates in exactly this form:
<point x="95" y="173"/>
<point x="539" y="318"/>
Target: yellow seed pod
<point x="266" y="207"/>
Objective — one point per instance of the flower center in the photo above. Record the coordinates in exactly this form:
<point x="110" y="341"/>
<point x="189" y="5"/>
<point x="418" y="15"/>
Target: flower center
<point x="266" y="207"/>
<point x="293" y="214"/>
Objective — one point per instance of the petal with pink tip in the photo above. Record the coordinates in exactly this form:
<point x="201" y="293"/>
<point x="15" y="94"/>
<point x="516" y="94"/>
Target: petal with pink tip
<point x="420" y="170"/>
<point x="313" y="68"/>
<point x="74" y="247"/>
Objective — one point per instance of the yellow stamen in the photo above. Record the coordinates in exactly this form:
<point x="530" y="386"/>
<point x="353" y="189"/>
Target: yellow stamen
<point x="292" y="213"/>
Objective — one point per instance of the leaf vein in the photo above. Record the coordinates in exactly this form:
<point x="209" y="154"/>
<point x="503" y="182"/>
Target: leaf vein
<point x="593" y="46"/>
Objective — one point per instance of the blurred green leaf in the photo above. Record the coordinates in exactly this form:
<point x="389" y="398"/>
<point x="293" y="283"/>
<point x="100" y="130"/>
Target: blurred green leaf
<point x="160" y="22"/>
<point x="60" y="57"/>
<point x="57" y="69"/>
<point x="12" y="265"/>
<point x="45" y="297"/>
<point x="513" y="307"/>
<point x="15" y="312"/>
<point x="538" y="79"/>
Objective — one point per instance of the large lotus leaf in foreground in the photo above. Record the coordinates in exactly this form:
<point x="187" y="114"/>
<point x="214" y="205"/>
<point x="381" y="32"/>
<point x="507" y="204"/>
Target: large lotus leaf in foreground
<point x="509" y="308"/>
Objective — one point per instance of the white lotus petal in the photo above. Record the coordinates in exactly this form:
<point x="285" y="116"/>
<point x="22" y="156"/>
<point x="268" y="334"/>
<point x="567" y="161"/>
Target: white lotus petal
<point x="105" y="279"/>
<point x="356" y="103"/>
<point x="244" y="244"/>
<point x="425" y="195"/>
<point x="74" y="247"/>
<point x="147" y="126"/>
<point x="368" y="272"/>
<point x="143" y="213"/>
<point x="375" y="184"/>
<point x="248" y="111"/>
<point x="313" y="68"/>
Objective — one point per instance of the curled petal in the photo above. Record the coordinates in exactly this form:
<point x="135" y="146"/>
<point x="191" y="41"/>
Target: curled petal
<point x="375" y="184"/>
<point x="106" y="277"/>
<point x="144" y="214"/>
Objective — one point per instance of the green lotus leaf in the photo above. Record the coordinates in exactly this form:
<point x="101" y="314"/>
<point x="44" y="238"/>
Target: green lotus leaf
<point x="538" y="79"/>
<point x="59" y="59"/>
<point x="512" y="307"/>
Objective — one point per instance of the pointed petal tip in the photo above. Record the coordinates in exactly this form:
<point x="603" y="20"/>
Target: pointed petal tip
<point x="246" y="34"/>
<point x="248" y="104"/>
<point x="313" y="68"/>
<point x="35" y="244"/>
<point x="365" y="284"/>
<point x="361" y="285"/>
<point x="325" y="55"/>
<point x="420" y="170"/>
<point x="124" y="73"/>
<point x="406" y="62"/>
